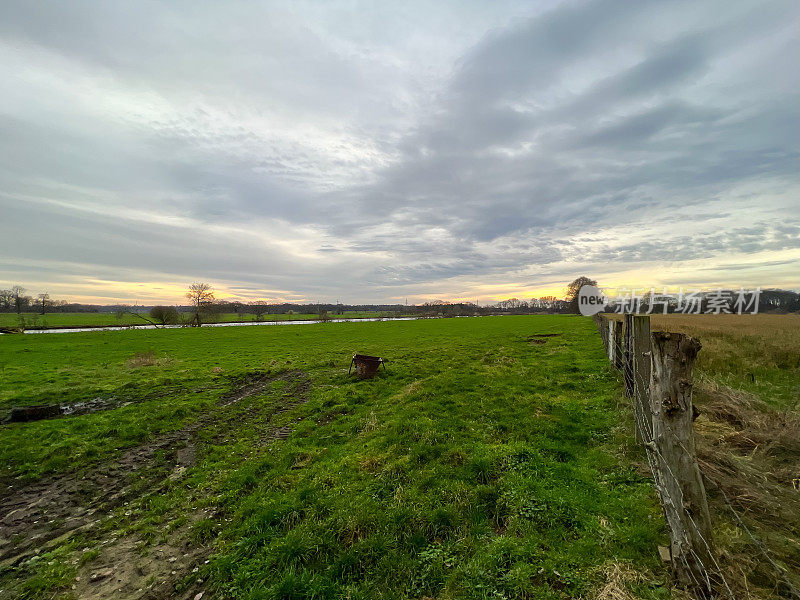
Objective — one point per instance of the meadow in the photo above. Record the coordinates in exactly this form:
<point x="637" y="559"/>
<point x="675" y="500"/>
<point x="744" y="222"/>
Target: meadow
<point x="33" y="320"/>
<point x="492" y="458"/>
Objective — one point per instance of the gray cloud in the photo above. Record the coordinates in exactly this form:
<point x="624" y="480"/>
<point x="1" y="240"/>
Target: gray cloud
<point x="323" y="151"/>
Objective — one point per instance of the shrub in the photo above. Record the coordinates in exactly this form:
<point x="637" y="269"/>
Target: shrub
<point x="166" y="315"/>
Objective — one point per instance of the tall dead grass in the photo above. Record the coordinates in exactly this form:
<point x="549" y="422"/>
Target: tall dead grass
<point x="749" y="454"/>
<point x="745" y="346"/>
<point x="618" y="576"/>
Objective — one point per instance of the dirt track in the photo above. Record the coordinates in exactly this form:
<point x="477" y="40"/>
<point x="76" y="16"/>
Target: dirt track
<point x="39" y="516"/>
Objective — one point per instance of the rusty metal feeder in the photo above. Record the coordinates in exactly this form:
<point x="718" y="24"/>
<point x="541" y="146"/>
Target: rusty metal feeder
<point x="366" y="366"/>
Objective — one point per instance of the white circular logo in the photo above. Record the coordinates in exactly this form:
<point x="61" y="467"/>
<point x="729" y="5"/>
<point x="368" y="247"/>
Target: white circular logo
<point x="591" y="300"/>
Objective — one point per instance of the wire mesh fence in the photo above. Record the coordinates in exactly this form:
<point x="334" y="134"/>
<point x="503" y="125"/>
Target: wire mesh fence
<point x="694" y="560"/>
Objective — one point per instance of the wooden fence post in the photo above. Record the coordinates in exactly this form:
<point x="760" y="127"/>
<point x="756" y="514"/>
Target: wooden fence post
<point x="677" y="475"/>
<point x="617" y="361"/>
<point x="627" y="360"/>
<point x="640" y="355"/>
<point x="610" y="341"/>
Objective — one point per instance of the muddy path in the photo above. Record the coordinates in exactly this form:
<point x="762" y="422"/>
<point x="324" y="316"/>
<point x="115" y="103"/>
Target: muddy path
<point x="40" y="516"/>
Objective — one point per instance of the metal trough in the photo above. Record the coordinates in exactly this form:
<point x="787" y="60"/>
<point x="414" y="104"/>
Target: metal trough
<point x="366" y="366"/>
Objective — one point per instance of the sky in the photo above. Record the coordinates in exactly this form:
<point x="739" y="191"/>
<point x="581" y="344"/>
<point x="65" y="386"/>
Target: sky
<point x="384" y="151"/>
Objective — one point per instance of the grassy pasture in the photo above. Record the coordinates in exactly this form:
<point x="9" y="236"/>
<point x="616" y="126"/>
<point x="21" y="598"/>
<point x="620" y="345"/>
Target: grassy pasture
<point x="483" y="463"/>
<point x="65" y="320"/>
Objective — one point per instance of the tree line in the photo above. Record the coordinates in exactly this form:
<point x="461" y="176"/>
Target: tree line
<point x="204" y="306"/>
<point x="15" y="299"/>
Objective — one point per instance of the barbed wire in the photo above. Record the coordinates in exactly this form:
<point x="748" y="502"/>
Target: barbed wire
<point x="759" y="544"/>
<point x="644" y="426"/>
<point x="651" y="448"/>
<point x="647" y="434"/>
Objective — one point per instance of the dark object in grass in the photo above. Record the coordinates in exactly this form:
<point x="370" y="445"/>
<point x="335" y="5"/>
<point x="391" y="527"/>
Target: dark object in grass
<point x="543" y="335"/>
<point x="541" y="338"/>
<point x="21" y="414"/>
<point x="366" y="366"/>
<point x="34" y="413"/>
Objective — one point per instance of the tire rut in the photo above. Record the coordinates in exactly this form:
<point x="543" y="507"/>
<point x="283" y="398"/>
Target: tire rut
<point x="41" y="515"/>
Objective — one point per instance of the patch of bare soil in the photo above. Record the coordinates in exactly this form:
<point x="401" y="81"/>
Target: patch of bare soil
<point x="39" y="516"/>
<point x="38" y="412"/>
<point x="126" y="569"/>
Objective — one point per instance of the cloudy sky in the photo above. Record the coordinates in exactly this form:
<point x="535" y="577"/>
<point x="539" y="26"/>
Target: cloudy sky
<point x="378" y="151"/>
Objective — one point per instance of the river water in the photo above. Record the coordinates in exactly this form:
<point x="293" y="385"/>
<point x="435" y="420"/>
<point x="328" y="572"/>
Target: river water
<point x="242" y="324"/>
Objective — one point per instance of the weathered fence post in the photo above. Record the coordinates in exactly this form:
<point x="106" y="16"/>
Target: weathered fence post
<point x="640" y="355"/>
<point x="677" y="475"/>
<point x="617" y="361"/>
<point x="610" y="342"/>
<point x="627" y="361"/>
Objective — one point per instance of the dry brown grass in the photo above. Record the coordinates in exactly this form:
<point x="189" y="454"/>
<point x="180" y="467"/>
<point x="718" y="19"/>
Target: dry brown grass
<point x="756" y="353"/>
<point x="145" y="359"/>
<point x="751" y="343"/>
<point x="617" y="578"/>
<point x="761" y="325"/>
<point x="749" y="453"/>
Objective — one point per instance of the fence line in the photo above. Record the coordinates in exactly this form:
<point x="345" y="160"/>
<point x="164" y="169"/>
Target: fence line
<point x="663" y="417"/>
<point x="702" y="574"/>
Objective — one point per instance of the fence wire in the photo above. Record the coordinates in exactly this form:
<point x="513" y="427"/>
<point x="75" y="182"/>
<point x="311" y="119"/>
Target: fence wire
<point x="646" y="428"/>
<point x="655" y="458"/>
<point x="647" y="434"/>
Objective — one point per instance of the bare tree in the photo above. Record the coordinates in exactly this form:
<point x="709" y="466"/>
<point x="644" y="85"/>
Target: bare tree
<point x="43" y="301"/>
<point x="201" y="295"/>
<point x="19" y="298"/>
<point x="512" y="304"/>
<point x="258" y="308"/>
<point x="545" y="303"/>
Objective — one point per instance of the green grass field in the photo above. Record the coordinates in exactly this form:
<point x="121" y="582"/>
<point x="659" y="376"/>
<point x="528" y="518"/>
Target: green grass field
<point x="35" y="320"/>
<point x="482" y="463"/>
